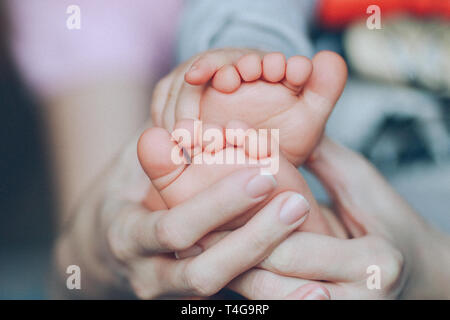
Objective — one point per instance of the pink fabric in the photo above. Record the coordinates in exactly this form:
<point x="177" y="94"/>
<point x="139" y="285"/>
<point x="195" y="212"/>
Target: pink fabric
<point x="117" y="38"/>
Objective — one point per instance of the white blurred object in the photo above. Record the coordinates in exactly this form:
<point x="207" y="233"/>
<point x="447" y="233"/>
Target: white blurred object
<point x="364" y="105"/>
<point x="405" y="50"/>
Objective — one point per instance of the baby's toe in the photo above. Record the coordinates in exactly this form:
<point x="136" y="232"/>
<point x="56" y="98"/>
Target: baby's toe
<point x="298" y="71"/>
<point x="250" y="67"/>
<point x="160" y="157"/>
<point x="326" y="82"/>
<point x="227" y="79"/>
<point x="274" y="67"/>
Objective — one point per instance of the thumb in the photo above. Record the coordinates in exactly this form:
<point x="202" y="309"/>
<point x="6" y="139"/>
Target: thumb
<point x="363" y="198"/>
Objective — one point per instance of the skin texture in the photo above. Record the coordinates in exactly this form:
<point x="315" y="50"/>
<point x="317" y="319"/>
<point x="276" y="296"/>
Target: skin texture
<point x="178" y="183"/>
<point x="289" y="96"/>
<point x="296" y="96"/>
<point x="138" y="244"/>
<point x="411" y="267"/>
<point x="110" y="235"/>
<point x="380" y="221"/>
<point x="113" y="265"/>
<point x="124" y="249"/>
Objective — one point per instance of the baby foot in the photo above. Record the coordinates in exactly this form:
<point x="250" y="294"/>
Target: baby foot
<point x="178" y="181"/>
<point x="295" y="96"/>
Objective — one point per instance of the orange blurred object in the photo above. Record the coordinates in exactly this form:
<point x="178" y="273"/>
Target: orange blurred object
<point x="338" y="13"/>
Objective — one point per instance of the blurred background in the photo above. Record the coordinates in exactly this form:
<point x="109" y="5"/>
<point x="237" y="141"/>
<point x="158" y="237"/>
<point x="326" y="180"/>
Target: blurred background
<point x="395" y="109"/>
<point x="26" y="198"/>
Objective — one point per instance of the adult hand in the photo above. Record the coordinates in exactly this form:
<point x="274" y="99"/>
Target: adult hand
<point x="412" y="258"/>
<point x="143" y="242"/>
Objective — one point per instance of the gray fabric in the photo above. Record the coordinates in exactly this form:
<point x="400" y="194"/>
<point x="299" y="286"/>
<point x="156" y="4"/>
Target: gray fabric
<point x="280" y="25"/>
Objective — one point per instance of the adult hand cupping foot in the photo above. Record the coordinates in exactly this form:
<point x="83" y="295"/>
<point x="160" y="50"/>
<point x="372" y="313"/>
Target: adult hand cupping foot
<point x="412" y="257"/>
<point x="140" y="243"/>
<point x="144" y="242"/>
<point x="125" y="245"/>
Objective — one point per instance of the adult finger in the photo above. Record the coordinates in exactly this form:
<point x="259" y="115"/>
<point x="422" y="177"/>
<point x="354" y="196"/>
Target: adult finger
<point x="257" y="284"/>
<point x="320" y="257"/>
<point x="159" y="99"/>
<point x="362" y="196"/>
<point x="241" y="249"/>
<point x="204" y="68"/>
<point x="188" y="102"/>
<point x="190" y="221"/>
<point x="202" y="71"/>
<point x="136" y="231"/>
<point x="197" y="73"/>
<point x="168" y="116"/>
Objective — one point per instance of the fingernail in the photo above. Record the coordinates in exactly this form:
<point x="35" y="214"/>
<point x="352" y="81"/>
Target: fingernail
<point x="294" y="209"/>
<point x="260" y="185"/>
<point x="317" y="294"/>
<point x="190" y="252"/>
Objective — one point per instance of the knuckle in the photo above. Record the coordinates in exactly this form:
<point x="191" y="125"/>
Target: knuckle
<point x="391" y="262"/>
<point x="258" y="243"/>
<point x="143" y="292"/>
<point x="168" y="237"/>
<point x="394" y="265"/>
<point x="199" y="283"/>
<point x="280" y="260"/>
<point x="264" y="286"/>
